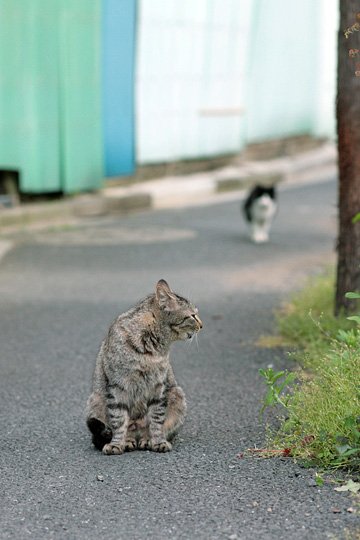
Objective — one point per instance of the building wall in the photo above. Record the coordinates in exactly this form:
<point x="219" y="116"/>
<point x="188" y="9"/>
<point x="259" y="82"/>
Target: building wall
<point x="88" y="87"/>
<point x="118" y="65"/>
<point x="327" y="31"/>
<point x="191" y="73"/>
<point x="214" y="75"/>
<point x="292" y="69"/>
<point x="283" y="69"/>
<point x="50" y="127"/>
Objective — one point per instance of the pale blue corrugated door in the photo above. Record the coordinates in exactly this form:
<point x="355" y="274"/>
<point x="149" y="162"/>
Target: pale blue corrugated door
<point x="119" y="25"/>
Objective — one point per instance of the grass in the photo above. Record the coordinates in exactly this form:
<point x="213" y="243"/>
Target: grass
<point x="322" y="423"/>
<point x="307" y="322"/>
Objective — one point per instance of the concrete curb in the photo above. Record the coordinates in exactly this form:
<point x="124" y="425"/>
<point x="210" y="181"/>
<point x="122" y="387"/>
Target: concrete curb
<point x="179" y="190"/>
<point x="175" y="191"/>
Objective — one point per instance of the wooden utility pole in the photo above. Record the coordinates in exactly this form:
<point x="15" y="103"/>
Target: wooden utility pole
<point x="348" y="130"/>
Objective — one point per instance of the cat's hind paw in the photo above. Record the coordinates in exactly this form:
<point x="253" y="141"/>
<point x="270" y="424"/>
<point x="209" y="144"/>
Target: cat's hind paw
<point x="144" y="444"/>
<point x="113" y="449"/>
<point x="130" y="445"/>
<point x="163" y="446"/>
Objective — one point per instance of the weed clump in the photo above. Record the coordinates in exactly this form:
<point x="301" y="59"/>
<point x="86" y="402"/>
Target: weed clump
<point x="321" y="420"/>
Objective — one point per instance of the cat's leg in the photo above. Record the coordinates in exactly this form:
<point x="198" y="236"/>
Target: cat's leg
<point x="96" y="420"/>
<point x="254" y="232"/>
<point x="156" y="416"/>
<point x="175" y="412"/>
<point x="259" y="234"/>
<point x="118" y="415"/>
<point x="267" y="227"/>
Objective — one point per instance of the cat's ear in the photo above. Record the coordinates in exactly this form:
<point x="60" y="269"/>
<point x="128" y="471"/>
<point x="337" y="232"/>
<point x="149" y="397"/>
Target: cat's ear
<point x="165" y="296"/>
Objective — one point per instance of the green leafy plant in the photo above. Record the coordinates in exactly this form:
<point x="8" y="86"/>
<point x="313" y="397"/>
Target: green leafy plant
<point x="349" y="447"/>
<point x="354" y="296"/>
<point x="277" y="382"/>
<point x="319" y="480"/>
<point x="307" y="321"/>
<point x="322" y="421"/>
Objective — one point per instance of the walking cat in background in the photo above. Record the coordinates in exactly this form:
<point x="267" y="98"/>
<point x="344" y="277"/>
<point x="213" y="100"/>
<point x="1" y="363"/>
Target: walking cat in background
<point x="136" y="402"/>
<point x="259" y="210"/>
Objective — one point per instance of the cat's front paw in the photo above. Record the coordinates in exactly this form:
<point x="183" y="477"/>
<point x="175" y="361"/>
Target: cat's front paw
<point x="163" y="446"/>
<point x="113" y="449"/>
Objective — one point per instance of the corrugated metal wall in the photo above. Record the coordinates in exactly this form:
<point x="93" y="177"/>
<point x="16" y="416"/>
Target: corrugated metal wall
<point x="192" y="61"/>
<point x="214" y="75"/>
<point x="326" y="54"/>
<point x="50" y="121"/>
<point x="290" y="77"/>
<point x="210" y="76"/>
<point x="118" y="58"/>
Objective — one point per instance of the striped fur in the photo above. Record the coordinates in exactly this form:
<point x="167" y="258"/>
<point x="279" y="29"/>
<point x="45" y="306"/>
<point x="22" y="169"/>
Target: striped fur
<point x="136" y="402"/>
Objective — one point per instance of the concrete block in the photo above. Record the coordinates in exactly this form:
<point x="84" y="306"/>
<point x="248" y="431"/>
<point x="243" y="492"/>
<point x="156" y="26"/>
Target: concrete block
<point x="230" y="184"/>
<point x="246" y="182"/>
<point x="127" y="203"/>
<point x="89" y="206"/>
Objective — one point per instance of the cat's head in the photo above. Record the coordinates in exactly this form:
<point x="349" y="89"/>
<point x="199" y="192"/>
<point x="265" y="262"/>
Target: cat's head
<point x="259" y="191"/>
<point x="180" y="314"/>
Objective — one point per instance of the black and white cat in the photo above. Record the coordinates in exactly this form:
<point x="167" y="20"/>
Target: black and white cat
<point x="259" y="210"/>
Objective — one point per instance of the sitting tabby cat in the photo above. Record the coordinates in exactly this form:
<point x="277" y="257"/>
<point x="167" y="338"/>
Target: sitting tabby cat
<point x="136" y="402"/>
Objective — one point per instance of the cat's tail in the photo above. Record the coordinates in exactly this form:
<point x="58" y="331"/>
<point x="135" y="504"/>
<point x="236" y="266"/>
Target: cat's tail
<point x="101" y="434"/>
<point x="96" y="421"/>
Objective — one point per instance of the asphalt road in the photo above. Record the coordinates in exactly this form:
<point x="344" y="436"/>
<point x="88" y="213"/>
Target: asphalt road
<point x="59" y="292"/>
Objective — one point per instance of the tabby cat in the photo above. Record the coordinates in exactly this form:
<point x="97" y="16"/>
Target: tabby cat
<point x="136" y="402"/>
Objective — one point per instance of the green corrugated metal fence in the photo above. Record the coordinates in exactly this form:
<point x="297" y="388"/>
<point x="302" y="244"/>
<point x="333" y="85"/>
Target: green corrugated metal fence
<point x="50" y="85"/>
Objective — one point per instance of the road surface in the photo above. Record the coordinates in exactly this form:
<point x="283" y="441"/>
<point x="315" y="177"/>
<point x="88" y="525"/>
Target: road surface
<point x="59" y="292"/>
